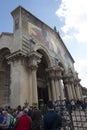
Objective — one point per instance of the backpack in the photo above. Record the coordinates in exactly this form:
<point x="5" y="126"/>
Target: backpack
<point x="12" y="121"/>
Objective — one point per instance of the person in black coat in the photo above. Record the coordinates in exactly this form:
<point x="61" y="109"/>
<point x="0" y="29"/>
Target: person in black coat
<point x="52" y="120"/>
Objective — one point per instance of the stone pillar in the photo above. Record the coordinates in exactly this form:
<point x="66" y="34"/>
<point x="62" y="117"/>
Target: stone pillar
<point x="30" y="87"/>
<point x="59" y="90"/>
<point x="34" y="59"/>
<point x="78" y="87"/>
<point x="53" y="90"/>
<point x="2" y="82"/>
<point x="78" y="90"/>
<point x="34" y="86"/>
<point x="71" y="79"/>
<point x="15" y="84"/>
<point x="51" y="78"/>
<point x="49" y="91"/>
<point x="19" y="79"/>
<point x="68" y="90"/>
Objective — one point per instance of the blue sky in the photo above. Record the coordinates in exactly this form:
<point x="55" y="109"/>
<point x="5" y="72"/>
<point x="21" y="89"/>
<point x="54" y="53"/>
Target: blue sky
<point x="69" y="17"/>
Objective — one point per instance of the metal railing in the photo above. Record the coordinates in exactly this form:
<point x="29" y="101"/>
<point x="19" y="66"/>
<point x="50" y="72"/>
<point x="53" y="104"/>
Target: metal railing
<point x="74" y="116"/>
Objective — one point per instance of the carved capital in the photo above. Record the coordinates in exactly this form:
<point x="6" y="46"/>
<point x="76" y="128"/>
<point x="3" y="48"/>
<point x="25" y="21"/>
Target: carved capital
<point x="58" y="72"/>
<point x="77" y="81"/>
<point x="68" y="79"/>
<point x="51" y="72"/>
<point x="71" y="80"/>
<point x="15" y="56"/>
<point x="34" y="59"/>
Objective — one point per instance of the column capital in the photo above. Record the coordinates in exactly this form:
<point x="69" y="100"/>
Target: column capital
<point x="15" y="56"/>
<point x="51" y="72"/>
<point x="58" y="72"/>
<point x="55" y="72"/>
<point x="34" y="59"/>
<point x="77" y="82"/>
<point x="68" y="79"/>
<point x="76" y="79"/>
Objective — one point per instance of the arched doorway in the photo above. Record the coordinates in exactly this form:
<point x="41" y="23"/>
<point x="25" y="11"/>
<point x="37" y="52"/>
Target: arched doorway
<point x="42" y="80"/>
<point x="4" y="78"/>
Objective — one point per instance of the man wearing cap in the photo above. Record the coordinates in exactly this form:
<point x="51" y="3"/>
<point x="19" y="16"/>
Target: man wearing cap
<point x="52" y="120"/>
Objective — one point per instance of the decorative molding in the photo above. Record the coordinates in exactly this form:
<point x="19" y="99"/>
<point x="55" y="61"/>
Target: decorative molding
<point x="15" y="55"/>
<point x="51" y="72"/>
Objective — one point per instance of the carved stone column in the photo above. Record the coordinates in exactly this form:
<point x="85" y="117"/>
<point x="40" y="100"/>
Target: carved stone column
<point x="19" y="78"/>
<point x="51" y="77"/>
<point x="49" y="90"/>
<point x="78" y="90"/>
<point x="78" y="87"/>
<point x="2" y="79"/>
<point x="34" y="59"/>
<point x="68" y="90"/>
<point x="72" y="87"/>
<point x="59" y="90"/>
<point x="2" y="82"/>
<point x="30" y="87"/>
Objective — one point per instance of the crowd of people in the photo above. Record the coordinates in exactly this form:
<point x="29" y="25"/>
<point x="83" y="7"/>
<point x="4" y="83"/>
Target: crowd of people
<point x="30" y="118"/>
<point x="44" y="117"/>
<point x="76" y="104"/>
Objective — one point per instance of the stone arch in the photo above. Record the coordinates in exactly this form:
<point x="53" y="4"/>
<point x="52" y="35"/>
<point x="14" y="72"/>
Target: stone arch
<point x="42" y="74"/>
<point x="4" y="52"/>
<point x="41" y="49"/>
<point x="4" y="77"/>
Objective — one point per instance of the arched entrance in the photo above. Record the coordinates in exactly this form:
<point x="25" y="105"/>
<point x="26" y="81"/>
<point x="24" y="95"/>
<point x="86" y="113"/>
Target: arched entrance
<point x="42" y="80"/>
<point x="4" y="78"/>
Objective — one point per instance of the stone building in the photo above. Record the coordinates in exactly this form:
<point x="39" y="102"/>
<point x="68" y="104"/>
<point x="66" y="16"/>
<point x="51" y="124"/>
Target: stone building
<point x="35" y="63"/>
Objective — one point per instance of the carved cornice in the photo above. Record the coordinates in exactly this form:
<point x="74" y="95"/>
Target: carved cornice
<point x="15" y="55"/>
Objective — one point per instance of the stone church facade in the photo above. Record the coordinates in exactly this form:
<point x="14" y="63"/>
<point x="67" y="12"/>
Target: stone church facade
<point x="35" y="64"/>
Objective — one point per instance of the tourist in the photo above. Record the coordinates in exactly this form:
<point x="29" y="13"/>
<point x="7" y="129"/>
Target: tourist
<point x="52" y="120"/>
<point x="6" y="121"/>
<point x="36" y="117"/>
<point x="24" y="122"/>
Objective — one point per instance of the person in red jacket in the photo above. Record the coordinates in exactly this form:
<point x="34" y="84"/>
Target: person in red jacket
<point x="24" y="122"/>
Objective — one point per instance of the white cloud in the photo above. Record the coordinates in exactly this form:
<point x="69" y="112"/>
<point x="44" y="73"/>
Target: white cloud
<point x="81" y="67"/>
<point x="75" y="14"/>
<point x="67" y="37"/>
